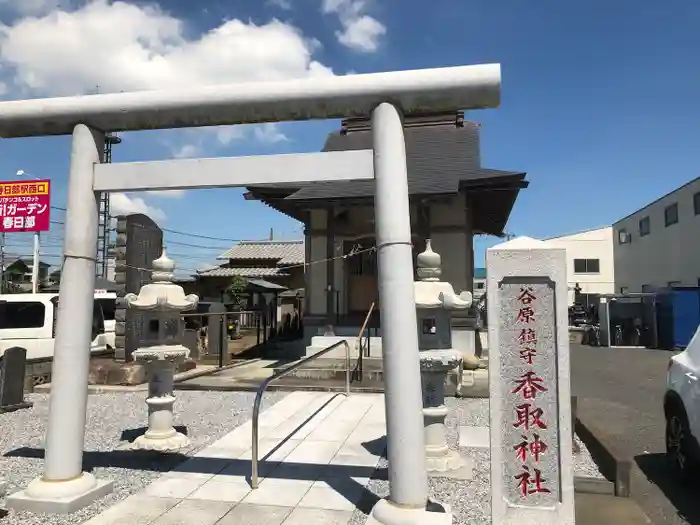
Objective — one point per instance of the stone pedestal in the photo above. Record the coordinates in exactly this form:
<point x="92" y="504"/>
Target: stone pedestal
<point x="384" y="513"/>
<point x="161" y="435"/>
<point x="435" y="364"/>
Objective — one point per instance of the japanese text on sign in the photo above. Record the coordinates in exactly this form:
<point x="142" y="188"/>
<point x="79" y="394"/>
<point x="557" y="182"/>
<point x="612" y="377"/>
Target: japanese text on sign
<point x="529" y="374"/>
<point x="25" y="206"/>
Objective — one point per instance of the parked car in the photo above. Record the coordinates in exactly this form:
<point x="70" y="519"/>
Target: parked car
<point x="29" y="321"/>
<point x="682" y="409"/>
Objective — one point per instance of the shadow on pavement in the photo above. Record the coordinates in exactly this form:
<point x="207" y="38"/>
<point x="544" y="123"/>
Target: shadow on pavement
<point x="683" y="497"/>
<point x="339" y="477"/>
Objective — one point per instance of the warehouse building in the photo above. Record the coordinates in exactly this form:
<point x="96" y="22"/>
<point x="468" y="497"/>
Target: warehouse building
<point x="589" y="264"/>
<point x="658" y="246"/>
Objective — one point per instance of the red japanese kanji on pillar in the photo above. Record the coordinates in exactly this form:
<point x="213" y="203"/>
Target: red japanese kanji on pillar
<point x="531" y="483"/>
<point x="25" y="206"/>
<point x="528" y="385"/>
<point x="530" y="437"/>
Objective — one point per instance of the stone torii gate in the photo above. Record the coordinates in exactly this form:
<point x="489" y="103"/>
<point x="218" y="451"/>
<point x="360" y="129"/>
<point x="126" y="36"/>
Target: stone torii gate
<point x="387" y="97"/>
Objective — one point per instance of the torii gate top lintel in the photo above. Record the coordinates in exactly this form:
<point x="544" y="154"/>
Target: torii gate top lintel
<point x="417" y="91"/>
<point x="386" y="97"/>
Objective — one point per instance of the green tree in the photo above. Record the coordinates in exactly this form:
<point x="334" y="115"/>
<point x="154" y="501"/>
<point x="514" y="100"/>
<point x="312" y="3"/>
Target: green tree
<point x="236" y="297"/>
<point x="235" y="292"/>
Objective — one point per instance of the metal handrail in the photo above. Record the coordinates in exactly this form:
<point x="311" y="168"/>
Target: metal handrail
<point x="358" y="366"/>
<point x="282" y="373"/>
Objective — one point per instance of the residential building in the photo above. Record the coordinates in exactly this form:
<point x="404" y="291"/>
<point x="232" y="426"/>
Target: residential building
<point x="590" y="269"/>
<point x="280" y="263"/>
<point x="452" y="198"/>
<point x="657" y="245"/>
<point x="18" y="274"/>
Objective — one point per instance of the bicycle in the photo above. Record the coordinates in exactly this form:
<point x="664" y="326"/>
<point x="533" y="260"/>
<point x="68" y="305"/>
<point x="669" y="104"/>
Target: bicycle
<point x="618" y="335"/>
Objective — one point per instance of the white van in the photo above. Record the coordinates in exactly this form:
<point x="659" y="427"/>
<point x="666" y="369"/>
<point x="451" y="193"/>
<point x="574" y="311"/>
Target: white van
<point x="108" y="303"/>
<point x="29" y="321"/>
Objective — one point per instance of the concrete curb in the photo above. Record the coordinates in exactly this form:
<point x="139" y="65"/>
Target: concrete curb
<point x="184" y="376"/>
<point x="591" y="485"/>
<point x="614" y="463"/>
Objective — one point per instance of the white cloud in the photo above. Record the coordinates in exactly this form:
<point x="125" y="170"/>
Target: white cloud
<point x="195" y="142"/>
<point x="68" y="52"/>
<point x="282" y="4"/>
<point x="169" y="194"/>
<point x="186" y="151"/>
<point x="68" y="49"/>
<point x="360" y="31"/>
<point x="269" y="133"/>
<point x="122" y="204"/>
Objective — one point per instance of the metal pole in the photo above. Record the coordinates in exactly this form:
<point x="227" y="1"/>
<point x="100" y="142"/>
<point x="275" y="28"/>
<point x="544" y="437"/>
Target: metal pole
<point x="65" y="434"/>
<point x="223" y="342"/>
<point x="2" y="263"/>
<point x="35" y="264"/>
<point x="347" y="369"/>
<point x="402" y="383"/>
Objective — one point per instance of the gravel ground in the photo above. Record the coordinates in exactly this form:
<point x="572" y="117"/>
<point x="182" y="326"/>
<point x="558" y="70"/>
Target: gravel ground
<point x="470" y="500"/>
<point x="112" y="420"/>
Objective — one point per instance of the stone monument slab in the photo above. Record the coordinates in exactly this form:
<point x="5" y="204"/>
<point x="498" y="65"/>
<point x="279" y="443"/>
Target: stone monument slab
<point x="530" y="406"/>
<point x="12" y="371"/>
<point x="139" y="242"/>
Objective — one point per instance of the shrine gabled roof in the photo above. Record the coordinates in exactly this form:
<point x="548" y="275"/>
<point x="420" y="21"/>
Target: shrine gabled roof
<point x="443" y="158"/>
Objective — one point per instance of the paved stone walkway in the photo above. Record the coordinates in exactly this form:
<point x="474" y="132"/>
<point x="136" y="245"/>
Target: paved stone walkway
<point x="318" y="451"/>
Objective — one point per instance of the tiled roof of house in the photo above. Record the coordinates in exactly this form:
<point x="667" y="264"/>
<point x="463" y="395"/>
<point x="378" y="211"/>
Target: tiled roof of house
<point x="283" y="252"/>
<point x="244" y="272"/>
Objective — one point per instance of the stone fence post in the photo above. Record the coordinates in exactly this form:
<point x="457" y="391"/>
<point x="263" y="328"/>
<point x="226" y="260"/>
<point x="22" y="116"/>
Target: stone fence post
<point x="532" y="474"/>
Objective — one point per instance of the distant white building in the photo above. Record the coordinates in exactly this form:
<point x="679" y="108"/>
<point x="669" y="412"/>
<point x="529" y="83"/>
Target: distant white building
<point x="590" y="263"/>
<point x="658" y="246"/>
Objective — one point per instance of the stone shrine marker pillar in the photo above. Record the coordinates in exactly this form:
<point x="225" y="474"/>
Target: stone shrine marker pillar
<point x="532" y="479"/>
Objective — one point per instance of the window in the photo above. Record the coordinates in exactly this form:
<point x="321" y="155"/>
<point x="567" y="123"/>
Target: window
<point x="586" y="265"/>
<point x="647" y="288"/>
<point x="644" y="226"/>
<point x="21" y="315"/>
<point x="671" y="214"/>
<point x="624" y="289"/>
<point x="479" y="286"/>
<point x="623" y="237"/>
<point x="696" y="203"/>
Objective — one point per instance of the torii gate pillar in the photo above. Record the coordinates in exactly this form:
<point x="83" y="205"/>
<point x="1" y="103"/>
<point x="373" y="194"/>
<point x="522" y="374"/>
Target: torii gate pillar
<point x="64" y="487"/>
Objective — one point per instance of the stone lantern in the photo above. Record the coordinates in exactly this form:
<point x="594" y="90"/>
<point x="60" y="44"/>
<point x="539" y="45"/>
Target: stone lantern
<point x="435" y="300"/>
<point x="161" y="302"/>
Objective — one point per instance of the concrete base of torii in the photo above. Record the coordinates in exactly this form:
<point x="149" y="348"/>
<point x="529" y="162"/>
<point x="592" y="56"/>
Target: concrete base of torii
<point x="60" y="498"/>
<point x="385" y="513"/>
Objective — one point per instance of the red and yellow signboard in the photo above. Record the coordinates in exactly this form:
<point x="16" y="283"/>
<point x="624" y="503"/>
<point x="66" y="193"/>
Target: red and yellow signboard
<point x="25" y="206"/>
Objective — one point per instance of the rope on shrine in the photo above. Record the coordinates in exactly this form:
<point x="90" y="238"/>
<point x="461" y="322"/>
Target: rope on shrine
<point x="385" y="244"/>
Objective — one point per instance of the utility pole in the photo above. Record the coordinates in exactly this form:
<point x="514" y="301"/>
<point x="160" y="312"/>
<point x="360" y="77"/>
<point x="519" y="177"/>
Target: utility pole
<point x="35" y="264"/>
<point x="2" y="263"/>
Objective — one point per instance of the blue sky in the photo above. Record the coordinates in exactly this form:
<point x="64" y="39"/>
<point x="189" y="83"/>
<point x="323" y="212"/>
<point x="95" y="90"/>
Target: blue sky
<point x="599" y="99"/>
